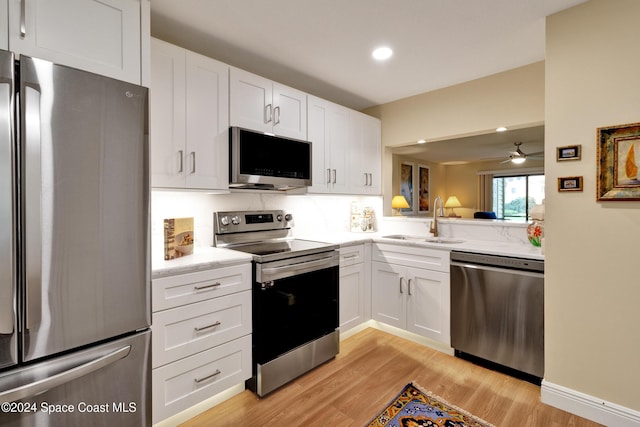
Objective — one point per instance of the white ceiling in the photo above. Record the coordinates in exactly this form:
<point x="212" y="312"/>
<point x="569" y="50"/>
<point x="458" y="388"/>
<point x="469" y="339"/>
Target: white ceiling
<point x="323" y="47"/>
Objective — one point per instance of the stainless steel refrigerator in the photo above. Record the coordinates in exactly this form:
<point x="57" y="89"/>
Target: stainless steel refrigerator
<point x="74" y="248"/>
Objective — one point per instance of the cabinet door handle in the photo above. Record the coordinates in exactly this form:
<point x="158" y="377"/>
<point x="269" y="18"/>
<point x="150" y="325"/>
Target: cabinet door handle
<point x="409" y="286"/>
<point x="193" y="162"/>
<point x="276" y="115"/>
<point x="335" y="174"/>
<point x="370" y="175"/>
<point x="202" y="328"/>
<point x="328" y="176"/>
<point x="207" y="286"/>
<point x="268" y="116"/>
<point x="180" y="161"/>
<point x="401" y="287"/>
<point x="23" y="13"/>
<point x="199" y="380"/>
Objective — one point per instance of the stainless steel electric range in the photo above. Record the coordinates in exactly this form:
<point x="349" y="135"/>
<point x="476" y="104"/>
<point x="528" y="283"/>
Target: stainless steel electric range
<point x="295" y="295"/>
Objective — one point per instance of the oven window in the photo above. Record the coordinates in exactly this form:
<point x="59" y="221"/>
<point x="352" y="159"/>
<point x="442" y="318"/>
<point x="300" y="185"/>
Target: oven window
<point x="294" y="311"/>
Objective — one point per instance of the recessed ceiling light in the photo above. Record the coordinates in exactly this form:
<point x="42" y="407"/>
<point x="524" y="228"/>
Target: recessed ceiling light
<point x="501" y="129"/>
<point x="422" y="141"/>
<point x="382" y="53"/>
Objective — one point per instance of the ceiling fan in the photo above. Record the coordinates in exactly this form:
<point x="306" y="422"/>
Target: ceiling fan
<point x="520" y="156"/>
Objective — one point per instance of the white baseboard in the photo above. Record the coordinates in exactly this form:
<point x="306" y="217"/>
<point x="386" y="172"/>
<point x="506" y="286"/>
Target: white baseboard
<point x="589" y="407"/>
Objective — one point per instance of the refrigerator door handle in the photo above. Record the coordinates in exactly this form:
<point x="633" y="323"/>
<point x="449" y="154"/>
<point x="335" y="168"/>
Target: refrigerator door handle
<point x="34" y="198"/>
<point x="45" y="384"/>
<point x="7" y="251"/>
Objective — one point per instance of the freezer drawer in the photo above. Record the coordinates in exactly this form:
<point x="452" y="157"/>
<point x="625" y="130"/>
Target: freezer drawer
<point x="103" y="386"/>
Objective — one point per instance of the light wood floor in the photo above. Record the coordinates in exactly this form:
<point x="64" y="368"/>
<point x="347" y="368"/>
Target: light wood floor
<point x="371" y="369"/>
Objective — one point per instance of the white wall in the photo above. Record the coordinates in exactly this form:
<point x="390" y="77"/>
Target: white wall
<point x="514" y="98"/>
<point x="592" y="279"/>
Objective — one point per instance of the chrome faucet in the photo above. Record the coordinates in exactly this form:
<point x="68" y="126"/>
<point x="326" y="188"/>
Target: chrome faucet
<point x="434" y="224"/>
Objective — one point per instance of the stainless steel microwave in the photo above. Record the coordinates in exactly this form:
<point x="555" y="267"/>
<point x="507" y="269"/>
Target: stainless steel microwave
<point x="262" y="161"/>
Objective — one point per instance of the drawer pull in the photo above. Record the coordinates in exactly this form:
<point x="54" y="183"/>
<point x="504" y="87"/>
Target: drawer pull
<point x="350" y="256"/>
<point x="207" y="286"/>
<point x="199" y="380"/>
<point x="202" y="328"/>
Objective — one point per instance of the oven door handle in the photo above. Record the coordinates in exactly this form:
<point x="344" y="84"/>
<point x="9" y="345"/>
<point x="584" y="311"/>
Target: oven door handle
<point x="273" y="273"/>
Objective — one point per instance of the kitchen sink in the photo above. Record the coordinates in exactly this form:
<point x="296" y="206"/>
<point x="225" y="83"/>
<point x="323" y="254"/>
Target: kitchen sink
<point x="443" y="240"/>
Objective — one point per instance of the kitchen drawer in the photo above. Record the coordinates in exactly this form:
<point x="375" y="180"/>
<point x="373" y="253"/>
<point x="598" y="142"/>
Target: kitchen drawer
<point x="183" y="331"/>
<point x="182" y="384"/>
<point x="350" y="255"/>
<point x="412" y="256"/>
<point x="174" y="291"/>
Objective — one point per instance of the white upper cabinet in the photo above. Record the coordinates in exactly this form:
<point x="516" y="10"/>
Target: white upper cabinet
<point x="189" y="119"/>
<point x="4" y="20"/>
<point x="101" y="36"/>
<point x="347" y="155"/>
<point x="259" y="104"/>
<point x="365" y="155"/>
<point x="329" y="134"/>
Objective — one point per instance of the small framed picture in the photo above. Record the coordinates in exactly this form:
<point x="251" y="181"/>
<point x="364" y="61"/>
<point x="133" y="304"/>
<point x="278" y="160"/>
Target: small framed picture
<point x="570" y="183"/>
<point x="570" y="152"/>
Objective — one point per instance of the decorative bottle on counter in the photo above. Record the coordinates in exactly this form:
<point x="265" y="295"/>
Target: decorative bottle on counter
<point x="535" y="232"/>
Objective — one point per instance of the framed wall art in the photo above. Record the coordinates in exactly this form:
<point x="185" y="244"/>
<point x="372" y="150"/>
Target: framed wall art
<point x="406" y="185"/>
<point x="570" y="152"/>
<point x="423" y="189"/>
<point x="618" y="160"/>
<point x="570" y="183"/>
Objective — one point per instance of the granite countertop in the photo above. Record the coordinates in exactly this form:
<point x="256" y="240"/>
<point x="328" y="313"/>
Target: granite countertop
<point x="203" y="258"/>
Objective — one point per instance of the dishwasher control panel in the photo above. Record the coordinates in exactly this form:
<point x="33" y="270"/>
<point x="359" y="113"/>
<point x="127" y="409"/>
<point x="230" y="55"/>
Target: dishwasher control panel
<point x="497" y="261"/>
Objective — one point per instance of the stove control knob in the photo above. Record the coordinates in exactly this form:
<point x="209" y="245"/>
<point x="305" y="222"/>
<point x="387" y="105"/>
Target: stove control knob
<point x="288" y="217"/>
<point x="235" y="220"/>
<point x="279" y="217"/>
<point x="224" y="220"/>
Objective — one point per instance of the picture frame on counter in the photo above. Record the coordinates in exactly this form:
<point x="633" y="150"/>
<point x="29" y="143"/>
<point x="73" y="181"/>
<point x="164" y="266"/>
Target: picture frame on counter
<point x="570" y="183"/>
<point x="618" y="158"/>
<point x="569" y="152"/>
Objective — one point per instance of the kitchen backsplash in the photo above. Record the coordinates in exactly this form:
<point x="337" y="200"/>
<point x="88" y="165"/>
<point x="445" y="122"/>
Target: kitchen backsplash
<point x="313" y="214"/>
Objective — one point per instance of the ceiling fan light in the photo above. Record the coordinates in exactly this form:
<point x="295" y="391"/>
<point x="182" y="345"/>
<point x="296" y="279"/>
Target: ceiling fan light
<point x="518" y="160"/>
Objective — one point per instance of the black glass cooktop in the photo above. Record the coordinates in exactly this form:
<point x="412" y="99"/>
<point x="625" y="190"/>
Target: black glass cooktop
<point x="271" y="251"/>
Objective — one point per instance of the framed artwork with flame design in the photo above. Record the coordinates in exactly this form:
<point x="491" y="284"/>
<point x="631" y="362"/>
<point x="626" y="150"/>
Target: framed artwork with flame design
<point x="618" y="161"/>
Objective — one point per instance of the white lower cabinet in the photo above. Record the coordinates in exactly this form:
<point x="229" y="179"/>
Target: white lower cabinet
<point x="201" y="345"/>
<point x="407" y="295"/>
<point x="354" y="295"/>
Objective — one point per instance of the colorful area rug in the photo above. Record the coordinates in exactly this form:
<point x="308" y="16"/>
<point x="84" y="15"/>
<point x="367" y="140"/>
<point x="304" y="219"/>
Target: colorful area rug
<point x="414" y="407"/>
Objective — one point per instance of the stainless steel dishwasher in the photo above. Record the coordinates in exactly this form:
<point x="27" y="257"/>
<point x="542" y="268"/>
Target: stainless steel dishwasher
<point x="497" y="311"/>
